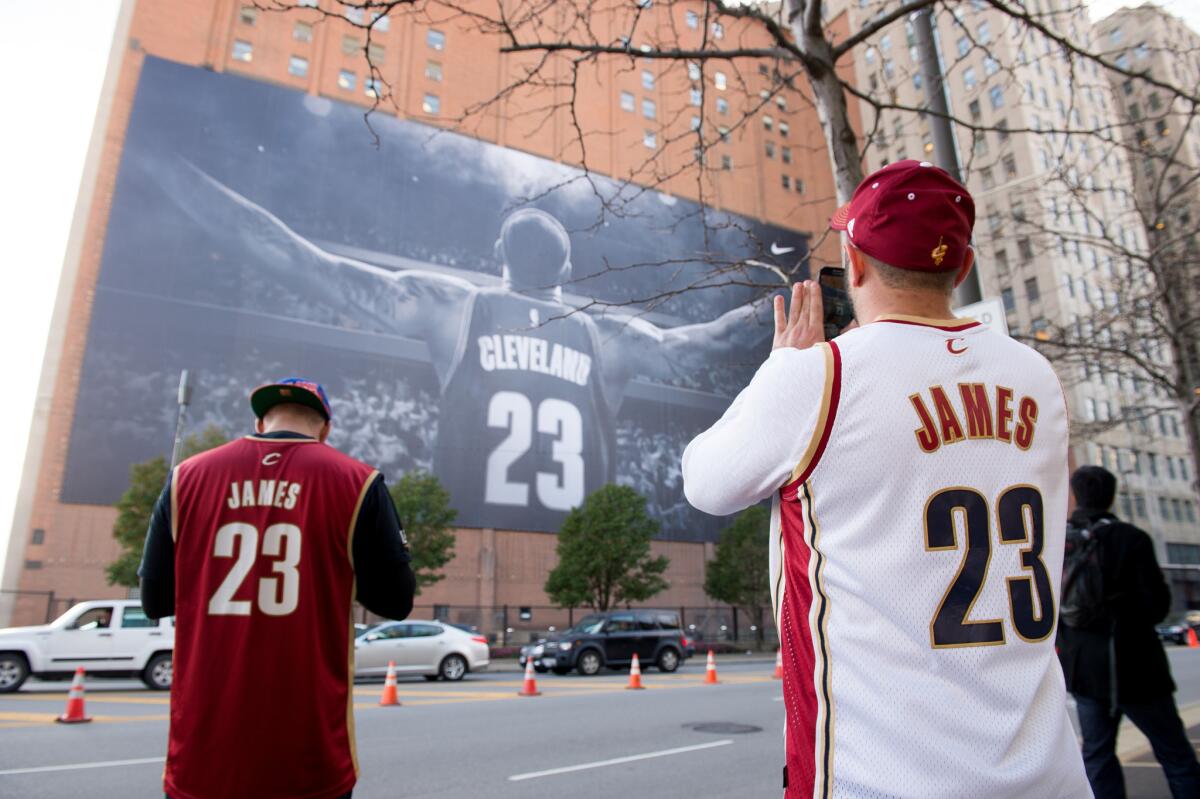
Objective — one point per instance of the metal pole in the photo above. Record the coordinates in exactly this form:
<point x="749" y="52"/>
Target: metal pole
<point x="945" y="147"/>
<point x="184" y="399"/>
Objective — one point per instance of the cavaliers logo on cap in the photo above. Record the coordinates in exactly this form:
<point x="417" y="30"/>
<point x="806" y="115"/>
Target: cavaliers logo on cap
<point x="939" y="252"/>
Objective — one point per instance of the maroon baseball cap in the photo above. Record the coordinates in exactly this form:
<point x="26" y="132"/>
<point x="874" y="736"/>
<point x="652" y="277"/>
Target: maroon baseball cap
<point x="910" y="215"/>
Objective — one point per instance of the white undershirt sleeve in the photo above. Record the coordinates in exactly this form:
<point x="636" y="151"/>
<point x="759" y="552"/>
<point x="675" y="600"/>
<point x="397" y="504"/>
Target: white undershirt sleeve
<point x="752" y="449"/>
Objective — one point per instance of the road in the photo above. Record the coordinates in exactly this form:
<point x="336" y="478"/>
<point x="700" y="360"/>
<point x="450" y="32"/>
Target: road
<point x="582" y="737"/>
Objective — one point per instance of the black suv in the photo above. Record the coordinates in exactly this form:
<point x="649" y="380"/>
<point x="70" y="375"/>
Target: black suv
<point x="610" y="639"/>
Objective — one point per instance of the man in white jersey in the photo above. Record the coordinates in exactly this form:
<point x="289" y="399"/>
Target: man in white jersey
<point x="918" y="473"/>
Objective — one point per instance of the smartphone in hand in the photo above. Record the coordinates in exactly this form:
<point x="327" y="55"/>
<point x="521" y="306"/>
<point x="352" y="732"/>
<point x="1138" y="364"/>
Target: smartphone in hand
<point x="839" y="313"/>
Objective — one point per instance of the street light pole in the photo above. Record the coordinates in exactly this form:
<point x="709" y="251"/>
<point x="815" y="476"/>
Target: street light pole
<point x="945" y="148"/>
<point x="184" y="399"/>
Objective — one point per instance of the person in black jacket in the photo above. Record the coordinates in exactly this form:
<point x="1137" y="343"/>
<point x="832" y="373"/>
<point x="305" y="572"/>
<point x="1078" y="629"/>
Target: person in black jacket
<point x="1138" y="684"/>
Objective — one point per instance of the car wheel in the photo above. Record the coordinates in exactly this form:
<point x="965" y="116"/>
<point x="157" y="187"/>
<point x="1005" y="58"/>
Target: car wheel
<point x="540" y="669"/>
<point x="453" y="668"/>
<point x="431" y="677"/>
<point x="158" y="672"/>
<point x="14" y="671"/>
<point x="561" y="670"/>
<point x="589" y="662"/>
<point x="668" y="660"/>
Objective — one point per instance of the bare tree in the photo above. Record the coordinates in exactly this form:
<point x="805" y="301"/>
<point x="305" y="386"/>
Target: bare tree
<point x="1140" y="330"/>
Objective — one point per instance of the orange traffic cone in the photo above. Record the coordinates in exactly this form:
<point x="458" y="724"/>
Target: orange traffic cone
<point x="75" y="713"/>
<point x="778" y="664"/>
<point x="1191" y="638"/>
<point x="389" y="687"/>
<point x="530" y="686"/>
<point x="635" y="675"/>
<point x="710" y="670"/>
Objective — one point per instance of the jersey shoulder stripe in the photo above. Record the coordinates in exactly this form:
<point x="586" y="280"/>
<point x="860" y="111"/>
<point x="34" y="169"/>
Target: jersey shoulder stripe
<point x="825" y="419"/>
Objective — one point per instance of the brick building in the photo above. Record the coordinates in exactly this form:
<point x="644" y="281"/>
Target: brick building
<point x="768" y="163"/>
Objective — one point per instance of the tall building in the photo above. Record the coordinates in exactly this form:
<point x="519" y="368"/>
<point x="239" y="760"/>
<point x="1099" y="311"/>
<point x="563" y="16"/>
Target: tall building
<point x="235" y="219"/>
<point x="1048" y="198"/>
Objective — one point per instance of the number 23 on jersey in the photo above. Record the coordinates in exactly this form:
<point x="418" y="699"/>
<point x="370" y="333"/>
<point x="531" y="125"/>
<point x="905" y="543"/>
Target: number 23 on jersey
<point x="278" y="595"/>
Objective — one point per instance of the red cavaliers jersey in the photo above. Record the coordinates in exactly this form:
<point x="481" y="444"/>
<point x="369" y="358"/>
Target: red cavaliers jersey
<point x="261" y="701"/>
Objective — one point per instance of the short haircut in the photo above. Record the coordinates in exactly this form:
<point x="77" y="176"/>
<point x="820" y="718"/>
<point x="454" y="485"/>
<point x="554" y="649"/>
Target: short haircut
<point x="295" y="410"/>
<point x="1094" y="487"/>
<point x="896" y="278"/>
<point x="536" y="245"/>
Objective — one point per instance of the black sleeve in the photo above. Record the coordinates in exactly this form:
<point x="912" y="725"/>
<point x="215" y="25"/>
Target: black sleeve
<point x="158" y="560"/>
<point x="1147" y="597"/>
<point x="385" y="580"/>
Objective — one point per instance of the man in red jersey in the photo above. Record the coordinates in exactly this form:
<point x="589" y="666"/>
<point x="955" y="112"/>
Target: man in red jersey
<point x="258" y="548"/>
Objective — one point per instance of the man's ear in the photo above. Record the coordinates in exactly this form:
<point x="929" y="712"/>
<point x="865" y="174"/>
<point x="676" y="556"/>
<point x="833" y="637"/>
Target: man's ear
<point x="857" y="265"/>
<point x="965" y="269"/>
<point x="324" y="432"/>
<point x="259" y="427"/>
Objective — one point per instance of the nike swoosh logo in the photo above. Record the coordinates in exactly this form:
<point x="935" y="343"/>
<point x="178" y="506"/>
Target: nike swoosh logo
<point x="777" y="250"/>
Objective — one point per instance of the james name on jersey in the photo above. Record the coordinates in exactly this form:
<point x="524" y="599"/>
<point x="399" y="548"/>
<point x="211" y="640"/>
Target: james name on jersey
<point x="984" y="419"/>
<point x="531" y="354"/>
<point x="269" y="493"/>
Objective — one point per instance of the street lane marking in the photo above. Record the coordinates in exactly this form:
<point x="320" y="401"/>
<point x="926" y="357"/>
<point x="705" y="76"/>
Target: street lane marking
<point x="616" y="761"/>
<point x="77" y="766"/>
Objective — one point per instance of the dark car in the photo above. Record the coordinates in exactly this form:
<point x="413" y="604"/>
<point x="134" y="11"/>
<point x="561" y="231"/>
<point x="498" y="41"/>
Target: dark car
<point x="610" y="639"/>
<point x="1174" y="629"/>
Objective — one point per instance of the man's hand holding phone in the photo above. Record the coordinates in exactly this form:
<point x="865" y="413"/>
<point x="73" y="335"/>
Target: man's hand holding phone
<point x="803" y="325"/>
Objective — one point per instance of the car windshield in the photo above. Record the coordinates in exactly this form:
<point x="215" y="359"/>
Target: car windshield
<point x="589" y="624"/>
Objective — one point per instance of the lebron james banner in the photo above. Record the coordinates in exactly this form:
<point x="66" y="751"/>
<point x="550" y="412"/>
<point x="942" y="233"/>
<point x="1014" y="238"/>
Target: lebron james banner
<point x="473" y="310"/>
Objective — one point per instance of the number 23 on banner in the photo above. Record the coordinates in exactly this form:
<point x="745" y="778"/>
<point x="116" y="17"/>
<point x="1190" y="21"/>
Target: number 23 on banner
<point x="278" y="595"/>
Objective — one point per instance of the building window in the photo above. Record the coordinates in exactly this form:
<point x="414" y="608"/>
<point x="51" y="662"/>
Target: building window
<point x="1153" y="101"/>
<point x="719" y="80"/>
<point x="1160" y="127"/>
<point x="985" y="175"/>
<point x="693" y="70"/>
<point x="302" y="32"/>
<point x="984" y="34"/>
<point x="647" y="79"/>
<point x="648" y="109"/>
<point x="1032" y="294"/>
<point x="351" y="45"/>
<point x="307" y="3"/>
<point x="627" y="101"/>
<point x="718" y="30"/>
<point x="436" y="40"/>
<point x="1010" y="167"/>
<point x="996" y="94"/>
<point x="1010" y="302"/>
<point x="695" y="123"/>
<point x="976" y="111"/>
<point x="783" y="129"/>
<point x="432" y="104"/>
<point x="799" y="184"/>
<point x="376" y="54"/>
<point x="242" y="51"/>
<point x="354" y="15"/>
<point x="649" y="139"/>
<point x="768" y="123"/>
<point x="33" y="565"/>
<point x="433" y="71"/>
<point x="990" y="65"/>
<point x="695" y="97"/>
<point x="964" y="46"/>
<point x="786" y="181"/>
<point x="1164" y="509"/>
<point x="371" y="87"/>
<point x="969" y="79"/>
<point x="39" y="536"/>
<point x="346" y="80"/>
<point x="1139" y="505"/>
<point x="786" y="155"/>
<point x="917" y="81"/>
<point x="722" y="106"/>
<point x="1183" y="553"/>
<point x="869" y="55"/>
<point x="723" y="132"/>
<point x="726" y="162"/>
<point x="770" y="150"/>
<point x="693" y="20"/>
<point x="298" y="66"/>
<point x="248" y="15"/>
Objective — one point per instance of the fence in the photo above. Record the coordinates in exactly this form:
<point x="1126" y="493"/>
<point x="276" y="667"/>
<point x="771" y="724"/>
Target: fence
<point x="515" y="625"/>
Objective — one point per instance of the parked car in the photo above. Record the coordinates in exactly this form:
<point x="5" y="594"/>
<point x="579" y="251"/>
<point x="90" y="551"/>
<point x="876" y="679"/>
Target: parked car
<point x="1174" y="628"/>
<point x="610" y="639"/>
<point x="428" y="648"/>
<point x="109" y="638"/>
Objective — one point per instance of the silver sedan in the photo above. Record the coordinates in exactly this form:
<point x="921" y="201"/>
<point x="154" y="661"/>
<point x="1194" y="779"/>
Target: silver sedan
<point x="429" y="648"/>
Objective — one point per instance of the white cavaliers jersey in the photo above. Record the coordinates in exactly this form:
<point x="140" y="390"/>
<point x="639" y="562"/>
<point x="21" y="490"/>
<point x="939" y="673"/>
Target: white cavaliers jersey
<point x="916" y="552"/>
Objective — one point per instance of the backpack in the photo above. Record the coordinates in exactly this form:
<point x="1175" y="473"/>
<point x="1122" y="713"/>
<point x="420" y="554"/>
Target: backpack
<point x="1082" y="601"/>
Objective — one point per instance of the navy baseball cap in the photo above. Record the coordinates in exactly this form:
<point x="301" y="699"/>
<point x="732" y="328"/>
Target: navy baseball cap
<point x="298" y="390"/>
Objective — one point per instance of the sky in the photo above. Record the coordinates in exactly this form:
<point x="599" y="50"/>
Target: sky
<point x="44" y="140"/>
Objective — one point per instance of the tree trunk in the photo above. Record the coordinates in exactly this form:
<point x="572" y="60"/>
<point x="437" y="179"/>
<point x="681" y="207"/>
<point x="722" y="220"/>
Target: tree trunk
<point x="829" y="98"/>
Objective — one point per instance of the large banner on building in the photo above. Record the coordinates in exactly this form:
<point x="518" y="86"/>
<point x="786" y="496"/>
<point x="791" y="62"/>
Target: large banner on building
<point x="473" y="310"/>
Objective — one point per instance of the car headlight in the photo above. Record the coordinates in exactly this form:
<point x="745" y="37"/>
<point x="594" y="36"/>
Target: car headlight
<point x="565" y="646"/>
<point x="538" y="650"/>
